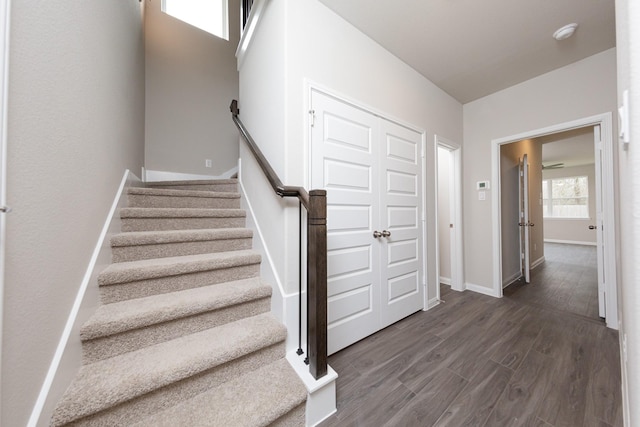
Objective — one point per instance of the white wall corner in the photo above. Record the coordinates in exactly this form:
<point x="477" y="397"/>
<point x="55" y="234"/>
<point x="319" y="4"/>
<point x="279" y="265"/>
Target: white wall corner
<point x="321" y="397"/>
<point x="67" y="357"/>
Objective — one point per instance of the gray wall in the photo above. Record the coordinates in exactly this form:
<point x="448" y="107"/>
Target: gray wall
<point x="191" y="78"/>
<point x="573" y="230"/>
<point x="579" y="90"/>
<point x="76" y="115"/>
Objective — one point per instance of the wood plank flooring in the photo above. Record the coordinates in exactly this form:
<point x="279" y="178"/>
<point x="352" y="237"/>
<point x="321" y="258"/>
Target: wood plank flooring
<point x="567" y="280"/>
<point x="481" y="361"/>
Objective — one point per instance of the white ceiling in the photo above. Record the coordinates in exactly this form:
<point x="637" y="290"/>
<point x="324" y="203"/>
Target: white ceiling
<point x="572" y="148"/>
<point x="472" y="48"/>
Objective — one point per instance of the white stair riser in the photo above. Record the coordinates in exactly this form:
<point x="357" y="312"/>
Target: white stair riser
<point x="226" y="188"/>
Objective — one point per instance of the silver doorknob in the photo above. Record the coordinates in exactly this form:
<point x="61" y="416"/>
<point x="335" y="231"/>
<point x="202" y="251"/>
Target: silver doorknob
<point x="5" y="209"/>
<point x="592" y="227"/>
<point x="377" y="234"/>
<point x="386" y="233"/>
<point x="531" y="224"/>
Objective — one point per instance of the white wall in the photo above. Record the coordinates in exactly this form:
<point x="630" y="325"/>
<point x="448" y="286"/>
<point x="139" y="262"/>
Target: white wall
<point x="573" y="230"/>
<point x="444" y="214"/>
<point x="348" y="63"/>
<point x="582" y="89"/>
<point x="191" y="77"/>
<point x="76" y="122"/>
<point x="628" y="41"/>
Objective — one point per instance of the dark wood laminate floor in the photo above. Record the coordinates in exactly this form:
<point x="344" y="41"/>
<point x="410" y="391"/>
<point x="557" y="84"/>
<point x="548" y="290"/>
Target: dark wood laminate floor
<point x="567" y="280"/>
<point x="481" y="361"/>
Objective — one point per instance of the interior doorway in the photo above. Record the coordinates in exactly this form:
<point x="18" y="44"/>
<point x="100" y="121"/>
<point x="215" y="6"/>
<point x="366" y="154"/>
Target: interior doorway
<point x="449" y="261"/>
<point x="601" y="218"/>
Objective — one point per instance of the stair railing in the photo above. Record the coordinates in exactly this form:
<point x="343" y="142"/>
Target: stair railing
<point x="315" y="203"/>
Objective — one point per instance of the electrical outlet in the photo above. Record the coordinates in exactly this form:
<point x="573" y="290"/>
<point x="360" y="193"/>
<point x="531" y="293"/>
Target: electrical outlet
<point x="207" y="163"/>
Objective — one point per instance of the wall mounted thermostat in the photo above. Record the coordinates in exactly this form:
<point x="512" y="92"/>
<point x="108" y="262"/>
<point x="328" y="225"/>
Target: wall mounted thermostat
<point x="482" y="185"/>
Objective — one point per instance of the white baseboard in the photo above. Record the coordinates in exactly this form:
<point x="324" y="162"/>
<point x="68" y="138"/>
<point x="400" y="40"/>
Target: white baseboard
<point x="445" y="280"/>
<point x="509" y="280"/>
<point x="80" y="310"/>
<point x="537" y="262"/>
<point x="481" y="290"/>
<point x="432" y="303"/>
<point x="153" y="176"/>
<point x="570" y="242"/>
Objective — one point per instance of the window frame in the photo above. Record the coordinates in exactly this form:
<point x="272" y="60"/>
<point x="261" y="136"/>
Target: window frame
<point x="547" y="203"/>
<point x="224" y="16"/>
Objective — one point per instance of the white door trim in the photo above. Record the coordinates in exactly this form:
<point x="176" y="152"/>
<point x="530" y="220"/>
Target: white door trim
<point x="457" y="270"/>
<point x="5" y="16"/>
<point x="605" y="122"/>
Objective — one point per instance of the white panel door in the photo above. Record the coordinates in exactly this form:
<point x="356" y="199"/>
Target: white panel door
<point x="400" y="205"/>
<point x="343" y="162"/>
<point x="371" y="171"/>
<point x="599" y="223"/>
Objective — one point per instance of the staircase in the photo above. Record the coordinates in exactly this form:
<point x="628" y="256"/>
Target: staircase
<point x="184" y="335"/>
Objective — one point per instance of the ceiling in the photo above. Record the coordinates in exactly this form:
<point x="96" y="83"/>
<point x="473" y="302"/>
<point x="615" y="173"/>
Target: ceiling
<point x="472" y="48"/>
<point x="571" y="148"/>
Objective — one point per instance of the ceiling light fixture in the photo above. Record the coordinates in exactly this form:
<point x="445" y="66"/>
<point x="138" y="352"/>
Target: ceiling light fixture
<point x="565" y="32"/>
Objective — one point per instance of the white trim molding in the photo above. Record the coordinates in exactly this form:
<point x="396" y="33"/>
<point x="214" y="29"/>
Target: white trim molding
<point x="570" y="242"/>
<point x="483" y="290"/>
<point x="154" y="176"/>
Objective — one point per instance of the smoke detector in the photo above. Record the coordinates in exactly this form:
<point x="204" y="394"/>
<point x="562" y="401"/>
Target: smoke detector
<point x="565" y="32"/>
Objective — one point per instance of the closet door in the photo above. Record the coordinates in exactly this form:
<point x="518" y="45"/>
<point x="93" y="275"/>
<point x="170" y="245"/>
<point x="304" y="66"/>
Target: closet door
<point x="400" y="216"/>
<point x="344" y="158"/>
<point x="371" y="169"/>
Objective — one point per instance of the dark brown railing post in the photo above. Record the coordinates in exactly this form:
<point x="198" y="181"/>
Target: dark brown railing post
<point x="317" y="284"/>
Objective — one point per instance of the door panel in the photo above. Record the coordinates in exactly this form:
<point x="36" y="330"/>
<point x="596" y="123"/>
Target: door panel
<point x="524" y="224"/>
<point x="343" y="164"/>
<point x="400" y="204"/>
<point x="371" y="169"/>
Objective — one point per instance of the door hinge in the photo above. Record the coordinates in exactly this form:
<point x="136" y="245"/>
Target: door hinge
<point x="312" y="119"/>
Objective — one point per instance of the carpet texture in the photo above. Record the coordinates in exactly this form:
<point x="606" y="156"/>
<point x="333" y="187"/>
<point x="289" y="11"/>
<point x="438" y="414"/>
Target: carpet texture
<point x="184" y="336"/>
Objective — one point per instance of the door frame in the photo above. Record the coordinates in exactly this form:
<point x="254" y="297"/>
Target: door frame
<point x="455" y="204"/>
<point x="608" y="199"/>
<point x="5" y="17"/>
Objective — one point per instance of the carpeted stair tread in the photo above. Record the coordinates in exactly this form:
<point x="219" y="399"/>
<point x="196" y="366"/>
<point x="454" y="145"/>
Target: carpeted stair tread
<point x="181" y="213"/>
<point x="122" y="316"/>
<point x="182" y="193"/>
<point x="131" y="271"/>
<point x="257" y="398"/>
<point x="104" y="384"/>
<point x="135" y="238"/>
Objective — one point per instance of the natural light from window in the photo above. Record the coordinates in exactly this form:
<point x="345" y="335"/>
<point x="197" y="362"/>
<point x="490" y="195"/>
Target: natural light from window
<point x="565" y="197"/>
<point x="208" y="15"/>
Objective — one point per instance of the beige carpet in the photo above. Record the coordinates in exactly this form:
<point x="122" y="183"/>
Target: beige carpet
<point x="184" y="336"/>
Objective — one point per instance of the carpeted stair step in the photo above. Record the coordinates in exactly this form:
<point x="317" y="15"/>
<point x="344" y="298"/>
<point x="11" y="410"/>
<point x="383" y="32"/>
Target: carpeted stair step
<point x="223" y="185"/>
<point x="129" y="325"/>
<point x="150" y="219"/>
<point x="140" y="197"/>
<point x="124" y="389"/>
<point x="133" y="246"/>
<point x="138" y="279"/>
<point x="271" y="395"/>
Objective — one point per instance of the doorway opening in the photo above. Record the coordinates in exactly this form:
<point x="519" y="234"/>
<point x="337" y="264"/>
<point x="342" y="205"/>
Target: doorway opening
<point x="449" y="263"/>
<point x="587" y="209"/>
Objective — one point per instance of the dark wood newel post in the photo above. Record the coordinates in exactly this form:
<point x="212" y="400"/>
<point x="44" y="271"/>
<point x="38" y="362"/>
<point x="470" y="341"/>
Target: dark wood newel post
<point x="317" y="284"/>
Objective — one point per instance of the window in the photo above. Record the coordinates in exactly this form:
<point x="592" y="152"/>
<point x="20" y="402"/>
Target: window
<point x="565" y="197"/>
<point x="208" y="15"/>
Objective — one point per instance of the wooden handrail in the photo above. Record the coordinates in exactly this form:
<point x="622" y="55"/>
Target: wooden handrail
<point x="315" y="202"/>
